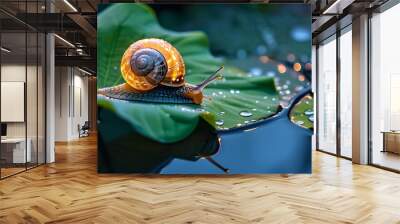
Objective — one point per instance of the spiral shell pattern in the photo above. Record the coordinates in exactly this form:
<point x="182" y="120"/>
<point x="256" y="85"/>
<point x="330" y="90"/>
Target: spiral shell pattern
<point x="150" y="62"/>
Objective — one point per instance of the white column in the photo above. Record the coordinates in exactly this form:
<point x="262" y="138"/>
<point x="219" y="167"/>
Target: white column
<point x="50" y="94"/>
<point x="314" y="90"/>
<point x="360" y="90"/>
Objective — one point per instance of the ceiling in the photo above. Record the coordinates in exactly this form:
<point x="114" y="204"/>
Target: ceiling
<point x="74" y="21"/>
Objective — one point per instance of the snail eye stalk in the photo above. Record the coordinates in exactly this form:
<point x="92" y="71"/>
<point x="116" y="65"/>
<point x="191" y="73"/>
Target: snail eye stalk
<point x="216" y="76"/>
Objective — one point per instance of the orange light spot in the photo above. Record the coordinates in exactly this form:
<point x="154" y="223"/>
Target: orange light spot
<point x="281" y="68"/>
<point x="297" y="67"/>
<point x="302" y="78"/>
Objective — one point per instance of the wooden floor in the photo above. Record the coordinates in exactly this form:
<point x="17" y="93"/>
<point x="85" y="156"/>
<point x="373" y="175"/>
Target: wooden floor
<point x="5" y="172"/>
<point x="70" y="191"/>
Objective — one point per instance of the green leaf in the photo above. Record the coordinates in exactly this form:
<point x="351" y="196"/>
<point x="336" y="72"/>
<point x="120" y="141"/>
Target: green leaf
<point x="122" y="24"/>
<point x="302" y="112"/>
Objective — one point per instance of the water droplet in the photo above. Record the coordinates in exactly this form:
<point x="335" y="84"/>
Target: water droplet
<point x="238" y="125"/>
<point x="246" y="122"/>
<point x="220" y="92"/>
<point x="285" y="86"/>
<point x="311" y="118"/>
<point x="309" y="112"/>
<point x="219" y="122"/>
<point x="274" y="99"/>
<point x="257" y="101"/>
<point x="115" y="68"/>
<point x="237" y="91"/>
<point x="279" y="88"/>
<point x="254" y="109"/>
<point x="221" y="113"/>
<point x="300" y="122"/>
<point x="214" y="94"/>
<point x="298" y="88"/>
<point x="287" y="92"/>
<point x="232" y="91"/>
<point x="245" y="114"/>
<point x="265" y="97"/>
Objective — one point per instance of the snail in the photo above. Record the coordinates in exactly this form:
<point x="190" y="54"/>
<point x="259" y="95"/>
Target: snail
<point x="154" y="71"/>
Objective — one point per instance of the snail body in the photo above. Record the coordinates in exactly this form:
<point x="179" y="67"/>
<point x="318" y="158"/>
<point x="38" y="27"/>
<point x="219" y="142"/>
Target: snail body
<point x="154" y="72"/>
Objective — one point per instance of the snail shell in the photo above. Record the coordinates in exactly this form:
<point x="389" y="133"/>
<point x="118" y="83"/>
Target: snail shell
<point x="150" y="62"/>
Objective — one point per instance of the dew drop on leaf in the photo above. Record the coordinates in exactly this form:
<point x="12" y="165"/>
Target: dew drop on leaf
<point x="245" y="114"/>
<point x="219" y="122"/>
<point x="309" y="112"/>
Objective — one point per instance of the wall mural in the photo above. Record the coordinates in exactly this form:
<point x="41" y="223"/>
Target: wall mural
<point x="204" y="88"/>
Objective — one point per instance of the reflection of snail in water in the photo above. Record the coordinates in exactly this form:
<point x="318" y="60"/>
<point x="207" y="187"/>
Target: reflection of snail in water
<point x="154" y="72"/>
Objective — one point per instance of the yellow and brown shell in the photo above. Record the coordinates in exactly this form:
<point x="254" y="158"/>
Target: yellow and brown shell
<point x="150" y="62"/>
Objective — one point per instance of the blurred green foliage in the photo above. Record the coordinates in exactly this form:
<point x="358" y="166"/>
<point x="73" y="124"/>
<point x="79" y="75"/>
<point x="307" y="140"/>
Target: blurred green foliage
<point x="273" y="29"/>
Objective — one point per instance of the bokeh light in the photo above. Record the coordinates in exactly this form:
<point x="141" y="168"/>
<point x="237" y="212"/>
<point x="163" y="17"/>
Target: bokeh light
<point x="264" y="59"/>
<point x="297" y="67"/>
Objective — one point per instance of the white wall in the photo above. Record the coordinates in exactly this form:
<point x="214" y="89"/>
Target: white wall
<point x="16" y="73"/>
<point x="80" y="110"/>
<point x="33" y="127"/>
<point x="62" y="81"/>
<point x="71" y="102"/>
